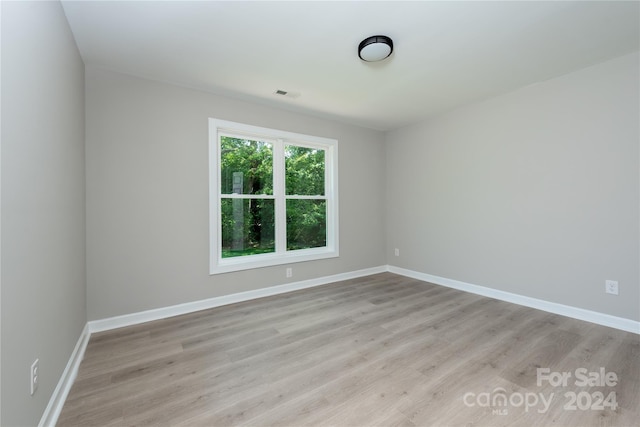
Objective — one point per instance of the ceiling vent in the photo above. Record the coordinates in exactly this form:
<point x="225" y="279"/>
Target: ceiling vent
<point x="287" y="93"/>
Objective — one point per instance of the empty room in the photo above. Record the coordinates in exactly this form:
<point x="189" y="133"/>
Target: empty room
<point x="300" y="213"/>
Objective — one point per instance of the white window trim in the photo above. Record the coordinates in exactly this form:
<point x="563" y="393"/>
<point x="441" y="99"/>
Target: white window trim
<point x="218" y="265"/>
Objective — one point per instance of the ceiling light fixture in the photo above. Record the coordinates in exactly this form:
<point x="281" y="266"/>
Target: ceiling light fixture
<point x="375" y="48"/>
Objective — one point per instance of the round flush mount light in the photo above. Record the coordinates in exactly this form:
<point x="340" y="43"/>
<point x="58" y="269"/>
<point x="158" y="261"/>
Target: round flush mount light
<point x="375" y="48"/>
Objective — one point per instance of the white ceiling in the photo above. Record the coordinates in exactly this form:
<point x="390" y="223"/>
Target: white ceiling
<point x="446" y="54"/>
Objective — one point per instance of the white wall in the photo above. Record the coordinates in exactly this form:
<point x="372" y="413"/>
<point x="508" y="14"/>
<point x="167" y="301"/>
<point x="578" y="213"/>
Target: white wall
<point x="147" y="194"/>
<point x="535" y="192"/>
<point x="43" y="239"/>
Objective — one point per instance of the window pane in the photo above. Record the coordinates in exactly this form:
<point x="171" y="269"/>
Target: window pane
<point x="246" y="166"/>
<point x="306" y="224"/>
<point x="304" y="171"/>
<point x="248" y="226"/>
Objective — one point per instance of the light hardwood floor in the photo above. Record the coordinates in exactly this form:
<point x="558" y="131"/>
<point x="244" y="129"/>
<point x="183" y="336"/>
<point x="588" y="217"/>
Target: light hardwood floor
<point x="382" y="350"/>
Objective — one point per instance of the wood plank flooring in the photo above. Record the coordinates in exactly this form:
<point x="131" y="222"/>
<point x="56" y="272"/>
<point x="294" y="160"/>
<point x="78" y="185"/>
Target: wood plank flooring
<point x="382" y="350"/>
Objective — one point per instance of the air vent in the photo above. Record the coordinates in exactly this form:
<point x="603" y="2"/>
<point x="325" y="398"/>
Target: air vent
<point x="287" y="93"/>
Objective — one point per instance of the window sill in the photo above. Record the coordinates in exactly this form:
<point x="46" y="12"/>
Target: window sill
<point x="267" y="260"/>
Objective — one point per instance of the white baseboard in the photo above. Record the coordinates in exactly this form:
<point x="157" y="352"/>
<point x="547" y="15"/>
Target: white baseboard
<point x="53" y="409"/>
<point x="621" y="323"/>
<point x="190" y="307"/>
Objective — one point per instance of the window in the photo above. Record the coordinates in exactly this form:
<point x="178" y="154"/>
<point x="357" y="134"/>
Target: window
<point x="273" y="197"/>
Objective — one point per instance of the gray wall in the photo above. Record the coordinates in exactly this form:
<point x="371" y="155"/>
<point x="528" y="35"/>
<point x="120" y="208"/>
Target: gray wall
<point x="535" y="192"/>
<point x="147" y="194"/>
<point x="43" y="238"/>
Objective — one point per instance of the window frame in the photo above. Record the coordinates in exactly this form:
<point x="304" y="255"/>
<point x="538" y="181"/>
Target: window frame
<point x="279" y="139"/>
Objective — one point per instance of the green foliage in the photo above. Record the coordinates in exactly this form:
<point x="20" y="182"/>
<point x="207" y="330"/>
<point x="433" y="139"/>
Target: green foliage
<point x="253" y="158"/>
<point x="304" y="171"/>
<point x="251" y="161"/>
<point x="306" y="219"/>
<point x="306" y="224"/>
<point x="257" y="228"/>
<point x="228" y="253"/>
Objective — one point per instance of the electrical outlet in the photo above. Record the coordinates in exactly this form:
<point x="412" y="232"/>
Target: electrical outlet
<point x="35" y="374"/>
<point x="611" y="287"/>
<point x="396" y="251"/>
<point x="289" y="272"/>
